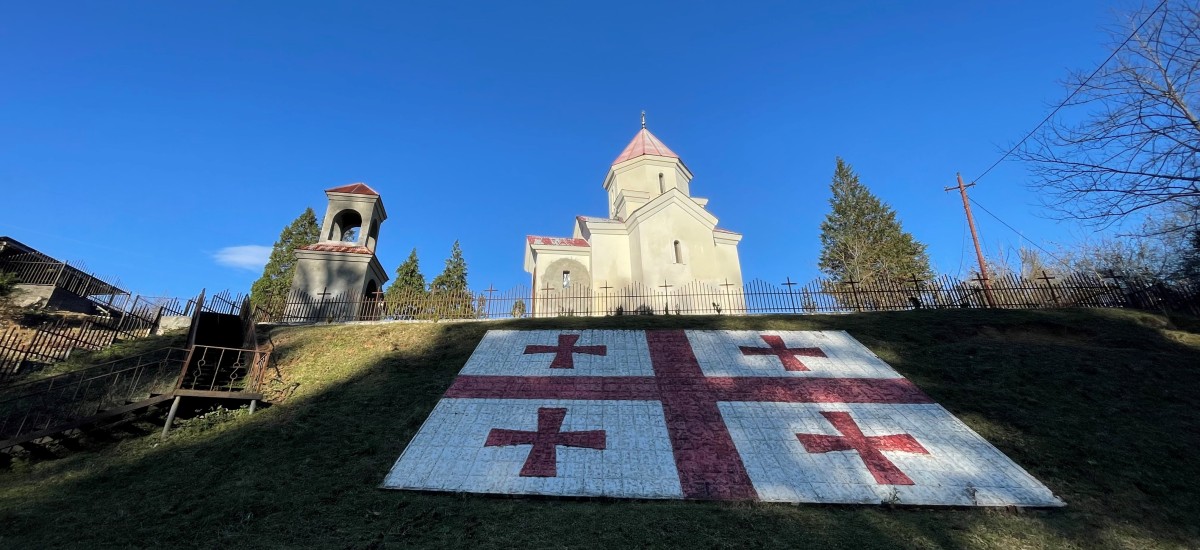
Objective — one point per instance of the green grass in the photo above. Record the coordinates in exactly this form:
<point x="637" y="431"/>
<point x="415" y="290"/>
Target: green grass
<point x="1099" y="405"/>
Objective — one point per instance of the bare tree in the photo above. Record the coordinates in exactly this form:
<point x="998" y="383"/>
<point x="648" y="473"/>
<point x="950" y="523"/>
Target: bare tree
<point x="1128" y="140"/>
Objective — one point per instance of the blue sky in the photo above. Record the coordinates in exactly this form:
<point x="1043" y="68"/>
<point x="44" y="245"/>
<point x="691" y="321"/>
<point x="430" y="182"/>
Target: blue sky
<point x="148" y="138"/>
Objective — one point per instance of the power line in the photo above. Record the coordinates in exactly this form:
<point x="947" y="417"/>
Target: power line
<point x="1073" y="93"/>
<point x="1014" y="230"/>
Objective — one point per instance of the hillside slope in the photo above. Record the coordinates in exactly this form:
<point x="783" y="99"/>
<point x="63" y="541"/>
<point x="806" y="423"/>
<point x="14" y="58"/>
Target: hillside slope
<point x="1099" y="405"/>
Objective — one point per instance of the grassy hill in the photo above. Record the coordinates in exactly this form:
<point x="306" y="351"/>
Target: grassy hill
<point x="1099" y="405"/>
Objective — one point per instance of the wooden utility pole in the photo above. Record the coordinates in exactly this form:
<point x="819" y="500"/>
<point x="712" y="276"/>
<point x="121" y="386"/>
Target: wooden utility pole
<point x="983" y="274"/>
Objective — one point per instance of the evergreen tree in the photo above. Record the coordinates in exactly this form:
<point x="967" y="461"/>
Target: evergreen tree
<point x="409" y="279"/>
<point x="449" y="289"/>
<point x="272" y="288"/>
<point x="861" y="239"/>
<point x="454" y="277"/>
<point x="407" y="292"/>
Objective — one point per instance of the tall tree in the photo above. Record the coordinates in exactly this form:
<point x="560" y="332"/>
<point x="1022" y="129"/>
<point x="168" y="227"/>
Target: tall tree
<point x="452" y="299"/>
<point x="272" y="288"/>
<point x="454" y="277"/>
<point x="405" y="298"/>
<point x="1127" y="140"/>
<point x="861" y="239"/>
<point x="409" y="280"/>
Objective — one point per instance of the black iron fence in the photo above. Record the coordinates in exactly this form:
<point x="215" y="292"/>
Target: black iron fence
<point x="131" y="315"/>
<point x="217" y="369"/>
<point x="35" y="408"/>
<point x="753" y="297"/>
<point x="37" y="269"/>
<point x="51" y="405"/>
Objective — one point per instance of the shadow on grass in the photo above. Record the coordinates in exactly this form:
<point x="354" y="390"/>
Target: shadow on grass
<point x="1099" y="405"/>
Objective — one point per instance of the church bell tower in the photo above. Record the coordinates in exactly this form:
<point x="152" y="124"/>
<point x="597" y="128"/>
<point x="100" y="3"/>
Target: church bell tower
<point x="342" y="264"/>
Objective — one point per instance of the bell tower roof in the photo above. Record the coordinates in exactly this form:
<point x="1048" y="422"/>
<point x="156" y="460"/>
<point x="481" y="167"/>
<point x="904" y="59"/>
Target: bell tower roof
<point x="354" y="188"/>
<point x="644" y="143"/>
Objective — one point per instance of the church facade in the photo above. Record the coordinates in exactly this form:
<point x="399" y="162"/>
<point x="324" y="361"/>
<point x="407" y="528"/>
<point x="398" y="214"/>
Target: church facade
<point x="658" y="245"/>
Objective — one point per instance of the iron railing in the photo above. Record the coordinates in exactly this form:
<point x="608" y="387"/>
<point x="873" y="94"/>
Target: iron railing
<point x="42" y="407"/>
<point x="63" y="401"/>
<point x="217" y="369"/>
<point x="753" y="297"/>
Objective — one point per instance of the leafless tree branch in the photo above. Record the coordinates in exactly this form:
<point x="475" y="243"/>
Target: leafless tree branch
<point x="1129" y="139"/>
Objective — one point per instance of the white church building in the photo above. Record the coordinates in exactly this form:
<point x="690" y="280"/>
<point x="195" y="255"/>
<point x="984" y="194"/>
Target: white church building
<point x="659" y="247"/>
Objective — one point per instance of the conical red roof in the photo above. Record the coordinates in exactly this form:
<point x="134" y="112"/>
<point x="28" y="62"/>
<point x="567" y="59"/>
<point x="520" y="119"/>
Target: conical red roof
<point x="356" y="188"/>
<point x="644" y="143"/>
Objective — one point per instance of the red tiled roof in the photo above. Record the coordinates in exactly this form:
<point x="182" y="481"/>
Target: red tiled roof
<point x="325" y="247"/>
<point x="556" y="241"/>
<point x="644" y="143"/>
<point x="356" y="188"/>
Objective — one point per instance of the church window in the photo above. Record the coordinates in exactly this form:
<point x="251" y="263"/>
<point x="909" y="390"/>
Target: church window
<point x="678" y="253"/>
<point x="566" y="279"/>
<point x="662" y="186"/>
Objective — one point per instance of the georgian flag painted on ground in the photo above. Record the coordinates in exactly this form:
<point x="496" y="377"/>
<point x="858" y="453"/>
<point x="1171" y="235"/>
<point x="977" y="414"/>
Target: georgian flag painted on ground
<point x="714" y="415"/>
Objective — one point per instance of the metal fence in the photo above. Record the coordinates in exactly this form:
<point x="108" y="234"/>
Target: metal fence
<point x="52" y="404"/>
<point x="42" y="407"/>
<point x="129" y="314"/>
<point x="753" y="297"/>
<point x="54" y="341"/>
<point x="217" y="369"/>
<point x="38" y="269"/>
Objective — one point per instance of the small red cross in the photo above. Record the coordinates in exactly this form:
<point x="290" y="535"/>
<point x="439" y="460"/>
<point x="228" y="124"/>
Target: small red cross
<point x="543" y="457"/>
<point x="868" y="447"/>
<point x="564" y="352"/>
<point x="785" y="354"/>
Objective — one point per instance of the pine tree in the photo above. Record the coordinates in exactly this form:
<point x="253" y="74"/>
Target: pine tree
<point x="409" y="279"/>
<point x="449" y="288"/>
<point x="271" y="290"/>
<point x="454" y="277"/>
<point x="406" y="294"/>
<point x="861" y="239"/>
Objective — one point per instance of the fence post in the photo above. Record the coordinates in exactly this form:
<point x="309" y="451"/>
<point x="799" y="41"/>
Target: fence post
<point x="171" y="416"/>
<point x="666" y="297"/>
<point x="1049" y="286"/>
<point x="791" y="300"/>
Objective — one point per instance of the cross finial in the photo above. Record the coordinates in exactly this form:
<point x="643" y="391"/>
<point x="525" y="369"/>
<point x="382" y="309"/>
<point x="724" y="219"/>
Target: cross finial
<point x="643" y="119"/>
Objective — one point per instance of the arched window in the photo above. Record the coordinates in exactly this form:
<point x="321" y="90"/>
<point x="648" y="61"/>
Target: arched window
<point x="346" y="226"/>
<point x="678" y="253"/>
<point x="662" y="185"/>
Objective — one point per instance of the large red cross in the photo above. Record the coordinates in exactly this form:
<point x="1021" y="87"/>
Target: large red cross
<point x="868" y="447"/>
<point x="564" y="357"/>
<point x="543" y="457"/>
<point x="785" y="354"/>
<point x="708" y="463"/>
